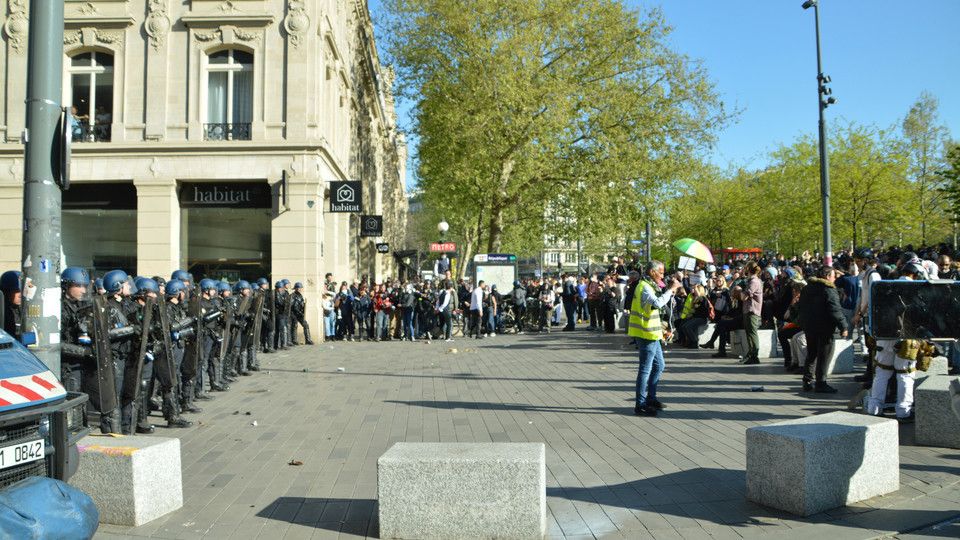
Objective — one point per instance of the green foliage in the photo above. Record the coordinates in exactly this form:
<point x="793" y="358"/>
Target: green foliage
<point x="572" y="116"/>
<point x="950" y="176"/>
<point x="924" y="140"/>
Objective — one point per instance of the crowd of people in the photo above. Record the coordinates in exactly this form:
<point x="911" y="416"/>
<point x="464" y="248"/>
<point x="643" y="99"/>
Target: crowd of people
<point x="141" y="344"/>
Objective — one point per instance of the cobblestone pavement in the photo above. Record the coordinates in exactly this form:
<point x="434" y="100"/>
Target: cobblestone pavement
<point x="609" y="474"/>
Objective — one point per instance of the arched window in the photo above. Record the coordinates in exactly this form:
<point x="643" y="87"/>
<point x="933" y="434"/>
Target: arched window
<point x="229" y="95"/>
<point x="91" y="96"/>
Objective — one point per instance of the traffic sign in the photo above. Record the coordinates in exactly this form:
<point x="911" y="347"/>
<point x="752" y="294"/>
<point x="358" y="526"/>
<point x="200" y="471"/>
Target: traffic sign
<point x="445" y="247"/>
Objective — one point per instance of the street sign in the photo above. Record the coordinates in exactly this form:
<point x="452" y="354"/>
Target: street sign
<point x="636" y="242"/>
<point x="494" y="258"/>
<point x="345" y="197"/>
<point x="371" y="225"/>
<point x="444" y="247"/>
<point x="383" y="248"/>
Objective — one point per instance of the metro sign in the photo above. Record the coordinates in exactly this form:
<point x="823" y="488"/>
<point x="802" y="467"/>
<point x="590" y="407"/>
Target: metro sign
<point x="443" y="247"/>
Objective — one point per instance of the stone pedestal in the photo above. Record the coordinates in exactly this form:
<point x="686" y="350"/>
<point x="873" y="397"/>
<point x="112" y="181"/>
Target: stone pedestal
<point x="705" y="337"/>
<point x="768" y="343"/>
<point x="841" y="357"/>
<point x="462" y="490"/>
<point x="133" y="480"/>
<point x="812" y="464"/>
<point x="937" y="423"/>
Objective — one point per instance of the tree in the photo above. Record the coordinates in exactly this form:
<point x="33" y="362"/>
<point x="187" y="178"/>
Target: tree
<point x="525" y="105"/>
<point x="925" y="138"/>
<point x="950" y="176"/>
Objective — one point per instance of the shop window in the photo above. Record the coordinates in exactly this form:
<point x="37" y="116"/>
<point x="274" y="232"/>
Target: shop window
<point x="100" y="227"/>
<point x="91" y="96"/>
<point x="229" y="96"/>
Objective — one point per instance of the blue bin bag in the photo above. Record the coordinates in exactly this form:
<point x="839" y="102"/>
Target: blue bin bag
<point x="46" y="508"/>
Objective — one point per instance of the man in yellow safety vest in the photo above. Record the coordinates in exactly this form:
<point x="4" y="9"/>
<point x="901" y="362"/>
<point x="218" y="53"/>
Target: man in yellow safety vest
<point x="645" y="326"/>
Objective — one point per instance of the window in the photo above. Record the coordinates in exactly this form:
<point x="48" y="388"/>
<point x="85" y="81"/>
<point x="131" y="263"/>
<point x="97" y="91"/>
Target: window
<point x="553" y="258"/>
<point x="229" y="96"/>
<point x="570" y="258"/>
<point x="91" y="96"/>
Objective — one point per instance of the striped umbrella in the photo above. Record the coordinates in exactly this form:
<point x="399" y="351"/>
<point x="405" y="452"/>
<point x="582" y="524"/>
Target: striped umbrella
<point x="692" y="248"/>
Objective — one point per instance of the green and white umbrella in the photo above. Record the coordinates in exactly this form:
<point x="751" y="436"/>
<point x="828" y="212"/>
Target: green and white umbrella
<point x="695" y="249"/>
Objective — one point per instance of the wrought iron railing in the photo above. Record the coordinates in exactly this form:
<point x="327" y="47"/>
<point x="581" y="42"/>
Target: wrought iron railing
<point x="226" y="132"/>
<point x="84" y="132"/>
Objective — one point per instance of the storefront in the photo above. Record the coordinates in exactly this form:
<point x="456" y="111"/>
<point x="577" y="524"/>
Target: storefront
<point x="225" y="229"/>
<point x="100" y="226"/>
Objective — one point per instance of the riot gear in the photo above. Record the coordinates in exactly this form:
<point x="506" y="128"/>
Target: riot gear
<point x="113" y="281"/>
<point x="146" y="285"/>
<point x="298" y="310"/>
<point x="181" y="275"/>
<point x="74" y="276"/>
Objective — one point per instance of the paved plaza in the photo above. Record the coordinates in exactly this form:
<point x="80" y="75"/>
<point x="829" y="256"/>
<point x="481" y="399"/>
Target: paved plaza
<point x="609" y="474"/>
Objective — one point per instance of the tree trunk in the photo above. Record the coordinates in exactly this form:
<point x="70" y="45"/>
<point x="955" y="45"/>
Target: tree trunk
<point x="495" y="240"/>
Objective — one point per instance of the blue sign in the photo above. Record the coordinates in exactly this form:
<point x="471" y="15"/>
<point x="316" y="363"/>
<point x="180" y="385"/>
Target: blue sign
<point x="636" y="242"/>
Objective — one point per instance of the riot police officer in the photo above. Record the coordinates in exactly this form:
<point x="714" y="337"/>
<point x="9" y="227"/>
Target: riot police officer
<point x="267" y="324"/>
<point x="135" y="394"/>
<point x="249" y="326"/>
<point x="117" y="287"/>
<point x="170" y="379"/>
<point x="228" y="305"/>
<point x="282" y="321"/>
<point x="12" y="300"/>
<point x="298" y="312"/>
<point x="212" y="334"/>
<point x="75" y="355"/>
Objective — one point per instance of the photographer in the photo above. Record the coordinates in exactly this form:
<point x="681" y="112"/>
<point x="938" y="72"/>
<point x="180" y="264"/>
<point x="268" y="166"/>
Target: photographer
<point x="646" y="327"/>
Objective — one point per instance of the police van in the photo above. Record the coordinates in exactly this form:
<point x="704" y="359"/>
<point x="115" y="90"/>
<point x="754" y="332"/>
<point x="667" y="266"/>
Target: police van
<point x="40" y="422"/>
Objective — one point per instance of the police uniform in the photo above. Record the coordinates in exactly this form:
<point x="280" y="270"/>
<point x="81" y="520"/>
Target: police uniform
<point x="298" y="311"/>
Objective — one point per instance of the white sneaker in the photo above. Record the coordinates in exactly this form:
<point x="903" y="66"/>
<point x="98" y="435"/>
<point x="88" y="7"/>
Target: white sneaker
<point x="493" y="334"/>
<point x="449" y="340"/>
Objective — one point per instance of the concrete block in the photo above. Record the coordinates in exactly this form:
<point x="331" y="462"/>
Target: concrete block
<point x="462" y="490"/>
<point x="841" y="357"/>
<point x="768" y="343"/>
<point x="937" y="423"/>
<point x="133" y="480"/>
<point x="813" y="464"/>
<point x="705" y="336"/>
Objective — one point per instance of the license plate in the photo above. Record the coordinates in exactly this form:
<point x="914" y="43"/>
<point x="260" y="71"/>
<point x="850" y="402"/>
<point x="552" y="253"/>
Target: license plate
<point x="11" y="456"/>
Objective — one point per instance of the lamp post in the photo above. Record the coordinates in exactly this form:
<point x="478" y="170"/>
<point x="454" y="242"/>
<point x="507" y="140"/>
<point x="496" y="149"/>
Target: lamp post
<point x="442" y="228"/>
<point x="824" y="100"/>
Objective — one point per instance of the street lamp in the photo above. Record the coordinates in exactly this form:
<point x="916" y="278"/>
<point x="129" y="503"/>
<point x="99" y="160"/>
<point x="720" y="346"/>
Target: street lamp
<point x="443" y="227"/>
<point x="824" y="100"/>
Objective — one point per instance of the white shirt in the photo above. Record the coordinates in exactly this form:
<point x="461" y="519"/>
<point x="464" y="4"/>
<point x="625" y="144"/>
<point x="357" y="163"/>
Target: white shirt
<point x="476" y="299"/>
<point x="867" y="278"/>
<point x="445" y="297"/>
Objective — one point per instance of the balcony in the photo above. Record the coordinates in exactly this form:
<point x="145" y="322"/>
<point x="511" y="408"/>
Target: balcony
<point x="226" y="132"/>
<point x="83" y="132"/>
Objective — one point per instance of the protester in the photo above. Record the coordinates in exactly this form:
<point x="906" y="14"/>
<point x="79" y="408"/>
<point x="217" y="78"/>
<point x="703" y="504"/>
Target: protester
<point x="820" y="316"/>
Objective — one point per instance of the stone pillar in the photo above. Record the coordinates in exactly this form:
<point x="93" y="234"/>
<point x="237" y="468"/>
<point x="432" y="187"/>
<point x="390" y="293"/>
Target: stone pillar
<point x="296" y="238"/>
<point x="158" y="227"/>
<point x="11" y="216"/>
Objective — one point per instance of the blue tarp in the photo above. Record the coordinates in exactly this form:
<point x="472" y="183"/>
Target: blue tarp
<point x="46" y="508"/>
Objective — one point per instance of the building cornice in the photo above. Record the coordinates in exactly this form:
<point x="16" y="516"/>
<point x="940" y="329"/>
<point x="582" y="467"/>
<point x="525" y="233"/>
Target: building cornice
<point x="99" y="22"/>
<point x="237" y="19"/>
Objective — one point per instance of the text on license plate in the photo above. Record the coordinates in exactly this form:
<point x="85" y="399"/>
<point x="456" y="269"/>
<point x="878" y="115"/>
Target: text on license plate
<point x="21" y="453"/>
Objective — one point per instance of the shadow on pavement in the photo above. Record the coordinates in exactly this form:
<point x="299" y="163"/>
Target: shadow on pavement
<point x="351" y="516"/>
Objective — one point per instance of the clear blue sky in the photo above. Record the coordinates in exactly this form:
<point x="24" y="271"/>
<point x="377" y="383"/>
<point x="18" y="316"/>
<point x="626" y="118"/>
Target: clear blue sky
<point x="881" y="54"/>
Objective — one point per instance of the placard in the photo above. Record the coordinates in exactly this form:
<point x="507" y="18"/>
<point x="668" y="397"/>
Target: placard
<point x="346" y="197"/>
<point x="371" y="225"/>
<point x="687" y="263"/>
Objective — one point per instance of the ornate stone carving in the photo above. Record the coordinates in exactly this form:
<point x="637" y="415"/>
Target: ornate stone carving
<point x="226" y="35"/>
<point x="296" y="23"/>
<point x="109" y="38"/>
<point x="17" y="25"/>
<point x="88" y="8"/>
<point x="227" y="5"/>
<point x="72" y="38"/>
<point x="207" y="37"/>
<point x="245" y="36"/>
<point x="157" y="23"/>
<point x="92" y="36"/>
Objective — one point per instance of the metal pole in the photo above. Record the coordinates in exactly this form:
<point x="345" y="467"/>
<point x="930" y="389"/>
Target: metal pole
<point x="649" y="255"/>
<point x="41" y="193"/>
<point x="824" y="165"/>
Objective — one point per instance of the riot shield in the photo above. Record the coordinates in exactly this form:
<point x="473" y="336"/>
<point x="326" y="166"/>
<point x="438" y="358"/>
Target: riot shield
<point x="107" y="399"/>
<point x="145" y="325"/>
<point x="165" y="368"/>
<point x="252" y="334"/>
<point x="287" y="304"/>
<point x="228" y="327"/>
<point x="194" y="348"/>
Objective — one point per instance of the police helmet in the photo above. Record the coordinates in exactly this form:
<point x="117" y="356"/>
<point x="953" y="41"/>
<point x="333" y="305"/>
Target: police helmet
<point x="182" y="275"/>
<point x="207" y="284"/>
<point x="516" y="283"/>
<point x="913" y="269"/>
<point x="145" y="285"/>
<point x="298" y="285"/>
<point x="241" y="285"/>
<point x="98" y="283"/>
<point x="174" y="287"/>
<point x="278" y="285"/>
<point x="160" y="281"/>
<point x="863" y="253"/>
<point x="223" y="286"/>
<point x="74" y="275"/>
<point x="113" y="281"/>
<point x="262" y="281"/>
<point x="10" y="281"/>
<point x="907" y="256"/>
<point x="284" y="282"/>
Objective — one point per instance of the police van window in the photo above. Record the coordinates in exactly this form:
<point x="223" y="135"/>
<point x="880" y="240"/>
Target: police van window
<point x="91" y="96"/>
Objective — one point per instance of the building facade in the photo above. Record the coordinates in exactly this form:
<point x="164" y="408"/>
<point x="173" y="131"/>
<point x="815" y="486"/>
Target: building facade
<point x="205" y="136"/>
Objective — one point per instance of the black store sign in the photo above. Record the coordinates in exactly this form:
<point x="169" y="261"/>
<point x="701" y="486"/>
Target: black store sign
<point x="371" y="225"/>
<point x="345" y="197"/>
<point x="383" y="248"/>
<point x="225" y="195"/>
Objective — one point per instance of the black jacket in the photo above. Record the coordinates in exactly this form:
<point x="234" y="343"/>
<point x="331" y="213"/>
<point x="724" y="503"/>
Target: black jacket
<point x="819" y="308"/>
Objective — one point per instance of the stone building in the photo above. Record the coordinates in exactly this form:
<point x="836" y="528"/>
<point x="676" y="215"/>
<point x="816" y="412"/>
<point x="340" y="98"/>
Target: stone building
<point x="206" y="133"/>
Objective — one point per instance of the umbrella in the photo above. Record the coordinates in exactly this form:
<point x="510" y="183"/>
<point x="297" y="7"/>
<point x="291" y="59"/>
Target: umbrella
<point x="692" y="248"/>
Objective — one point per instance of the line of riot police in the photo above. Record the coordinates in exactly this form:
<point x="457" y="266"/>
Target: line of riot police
<point x="136" y="345"/>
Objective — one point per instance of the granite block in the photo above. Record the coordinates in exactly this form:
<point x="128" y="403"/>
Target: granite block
<point x="841" y="357"/>
<point x="768" y="343"/>
<point x="705" y="336"/>
<point x="462" y="490"/>
<point x="812" y="464"/>
<point x="132" y="480"/>
<point x="937" y="422"/>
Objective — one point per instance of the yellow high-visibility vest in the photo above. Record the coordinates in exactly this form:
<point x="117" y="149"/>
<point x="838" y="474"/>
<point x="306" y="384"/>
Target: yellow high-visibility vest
<point x="644" y="320"/>
<point x="687" y="307"/>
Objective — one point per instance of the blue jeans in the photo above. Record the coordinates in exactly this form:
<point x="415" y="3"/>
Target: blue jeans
<point x="651" y="367"/>
<point x="330" y="325"/>
<point x="408" y="324"/>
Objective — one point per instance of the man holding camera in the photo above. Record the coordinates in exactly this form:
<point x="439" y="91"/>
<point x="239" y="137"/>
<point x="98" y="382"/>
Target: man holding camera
<point x="645" y="326"/>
